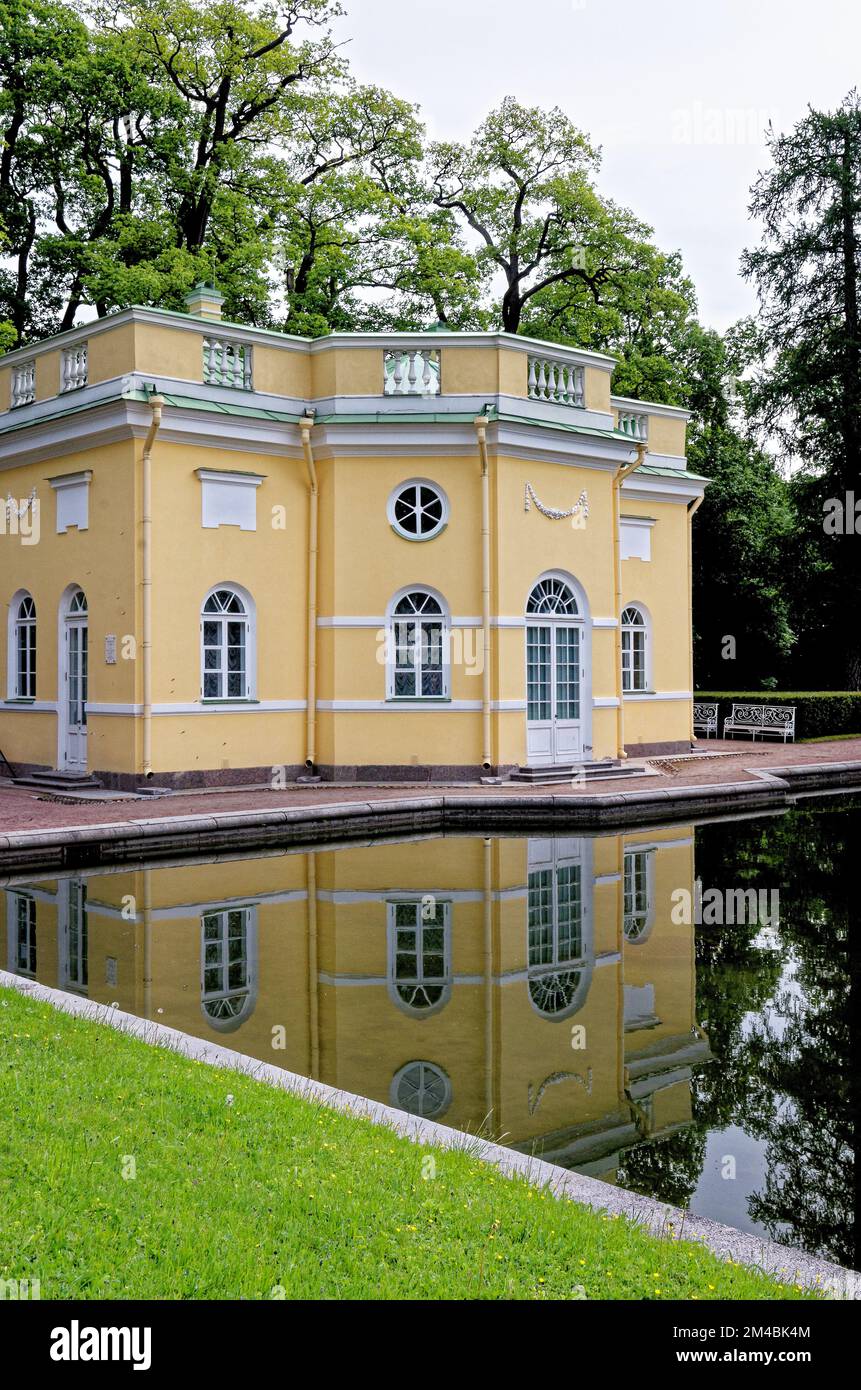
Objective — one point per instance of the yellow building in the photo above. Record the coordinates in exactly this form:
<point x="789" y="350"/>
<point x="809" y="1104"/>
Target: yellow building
<point x="227" y="550"/>
<point x="538" y="989"/>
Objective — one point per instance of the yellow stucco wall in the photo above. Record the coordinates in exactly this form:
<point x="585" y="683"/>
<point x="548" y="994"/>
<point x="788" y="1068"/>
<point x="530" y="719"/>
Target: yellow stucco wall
<point x="363" y="562"/>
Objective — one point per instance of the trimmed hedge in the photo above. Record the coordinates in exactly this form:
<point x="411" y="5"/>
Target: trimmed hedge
<point x="819" y="713"/>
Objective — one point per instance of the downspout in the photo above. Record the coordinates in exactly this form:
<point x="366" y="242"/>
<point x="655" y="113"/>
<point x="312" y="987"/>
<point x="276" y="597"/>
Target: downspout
<point x="156" y="404"/>
<point x="306" y="425"/>
<point x="486" y="753"/>
<point x="692" y="508"/>
<point x="619" y="479"/>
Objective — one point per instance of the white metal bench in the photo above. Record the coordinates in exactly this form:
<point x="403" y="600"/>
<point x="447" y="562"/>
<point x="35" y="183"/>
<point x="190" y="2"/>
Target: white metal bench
<point x="769" y="721"/>
<point x="706" y="718"/>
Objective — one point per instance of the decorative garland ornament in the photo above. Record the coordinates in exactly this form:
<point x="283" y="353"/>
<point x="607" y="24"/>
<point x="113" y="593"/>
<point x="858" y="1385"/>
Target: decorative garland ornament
<point x="14" y="509"/>
<point x="581" y="506"/>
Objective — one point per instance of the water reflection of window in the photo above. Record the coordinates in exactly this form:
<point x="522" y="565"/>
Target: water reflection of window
<point x="638" y="895"/>
<point x="21" y="925"/>
<point x="419" y="948"/>
<point x="555" y="917"/>
<point x="227" y="973"/>
<point x="421" y="1088"/>
<point x="74" y="934"/>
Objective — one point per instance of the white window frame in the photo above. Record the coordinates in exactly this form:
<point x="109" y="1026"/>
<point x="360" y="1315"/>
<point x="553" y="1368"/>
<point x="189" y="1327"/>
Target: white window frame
<point x="421" y="1072"/>
<point x="228" y="498"/>
<point x="629" y="632"/>
<point x="249" y="620"/>
<point x="393" y="618"/>
<point x="227" y="1023"/>
<point x="72" y="496"/>
<point x="638" y="894"/>
<point x="398" y="527"/>
<point x="16" y="675"/>
<point x="417" y="982"/>
<point x="14" y="903"/>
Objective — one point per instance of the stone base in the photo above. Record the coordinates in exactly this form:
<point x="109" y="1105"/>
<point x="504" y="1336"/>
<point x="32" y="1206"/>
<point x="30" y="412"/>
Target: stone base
<point x="658" y="750"/>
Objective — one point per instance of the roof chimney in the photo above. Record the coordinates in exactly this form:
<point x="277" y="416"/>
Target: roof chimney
<point x="204" y="301"/>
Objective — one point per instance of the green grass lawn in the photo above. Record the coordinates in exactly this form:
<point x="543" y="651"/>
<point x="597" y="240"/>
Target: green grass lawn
<point x="241" y="1190"/>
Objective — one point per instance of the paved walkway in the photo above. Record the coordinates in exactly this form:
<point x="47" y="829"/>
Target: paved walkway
<point x="25" y="809"/>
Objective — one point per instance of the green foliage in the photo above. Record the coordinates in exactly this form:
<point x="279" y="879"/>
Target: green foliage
<point x="819" y="713"/>
<point x="742" y="531"/>
<point x="805" y="389"/>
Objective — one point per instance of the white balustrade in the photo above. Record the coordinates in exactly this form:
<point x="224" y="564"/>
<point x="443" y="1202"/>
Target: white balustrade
<point x="635" y="425"/>
<point x="553" y="379"/>
<point x="74" y="373"/>
<point x="411" y="372"/>
<point x="23" y="384"/>
<point x="227" y="363"/>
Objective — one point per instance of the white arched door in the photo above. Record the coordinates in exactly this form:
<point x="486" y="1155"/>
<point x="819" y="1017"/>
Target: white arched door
<point x="73" y="684"/>
<point x="556" y="675"/>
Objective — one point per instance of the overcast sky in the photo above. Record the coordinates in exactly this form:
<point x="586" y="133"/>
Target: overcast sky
<point x="677" y="92"/>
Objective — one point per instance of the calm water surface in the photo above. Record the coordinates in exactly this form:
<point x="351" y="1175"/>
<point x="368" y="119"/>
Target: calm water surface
<point x="550" y="991"/>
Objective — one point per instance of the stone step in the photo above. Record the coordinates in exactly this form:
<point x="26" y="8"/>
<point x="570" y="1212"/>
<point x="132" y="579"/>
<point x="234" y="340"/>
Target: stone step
<point x="59" y="781"/>
<point x="583" y="772"/>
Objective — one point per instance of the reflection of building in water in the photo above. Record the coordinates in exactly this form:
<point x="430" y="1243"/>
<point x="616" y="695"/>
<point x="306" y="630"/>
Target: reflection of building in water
<point x="537" y="987"/>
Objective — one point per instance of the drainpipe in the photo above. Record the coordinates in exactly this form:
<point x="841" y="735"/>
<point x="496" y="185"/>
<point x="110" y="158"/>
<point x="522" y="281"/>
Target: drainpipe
<point x="156" y="403"/>
<point x="620" y="477"/>
<point x="481" y="433"/>
<point x="692" y="508"/>
<point x="306" y="425"/>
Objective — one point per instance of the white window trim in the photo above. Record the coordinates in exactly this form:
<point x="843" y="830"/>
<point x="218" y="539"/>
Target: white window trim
<point x="649" y="914"/>
<point x="646" y="629"/>
<point x="12" y="663"/>
<point x="392" y="929"/>
<point x="13" y="901"/>
<point x="224" y="481"/>
<point x="395" y="494"/>
<point x="438" y="1072"/>
<point x="229" y="1025"/>
<point x="250" y="696"/>
<point x="72" y="480"/>
<point x="390" y="646"/>
<point x="638" y="524"/>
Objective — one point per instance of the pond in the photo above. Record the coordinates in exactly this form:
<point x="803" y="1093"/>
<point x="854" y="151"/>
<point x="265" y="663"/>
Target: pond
<point x="665" y="1009"/>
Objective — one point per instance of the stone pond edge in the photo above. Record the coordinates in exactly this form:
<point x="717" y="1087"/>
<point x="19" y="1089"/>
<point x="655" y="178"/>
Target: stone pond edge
<point x="93" y="845"/>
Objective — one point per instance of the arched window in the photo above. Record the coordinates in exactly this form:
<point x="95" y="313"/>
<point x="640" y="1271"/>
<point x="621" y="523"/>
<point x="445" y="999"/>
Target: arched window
<point x="635" y="649"/>
<point x="21" y="928"/>
<point x="227" y="645"/>
<point x="227" y="966"/>
<point x="22" y="648"/>
<point x="555" y="938"/>
<point x="421" y="1088"/>
<point x="553" y="597"/>
<point x="419" y="954"/>
<point x="417" y="647"/>
<point x="638" y="894"/>
<point x="559" y="950"/>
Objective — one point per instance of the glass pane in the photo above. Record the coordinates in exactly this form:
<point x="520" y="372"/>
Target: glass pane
<point x="568" y="673"/>
<point x="540" y="916"/>
<point x="538" y="672"/>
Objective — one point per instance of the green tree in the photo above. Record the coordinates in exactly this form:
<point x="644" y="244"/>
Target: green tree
<point x="807" y="391"/>
<point x="744" y="531"/>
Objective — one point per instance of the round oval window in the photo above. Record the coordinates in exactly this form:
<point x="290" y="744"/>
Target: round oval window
<point x="418" y="510"/>
<point x="420" y="1088"/>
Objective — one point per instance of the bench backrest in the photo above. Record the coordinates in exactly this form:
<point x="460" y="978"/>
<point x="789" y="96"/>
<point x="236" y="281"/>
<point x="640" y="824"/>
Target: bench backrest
<point x="764" y="716"/>
<point x="705" y="714"/>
